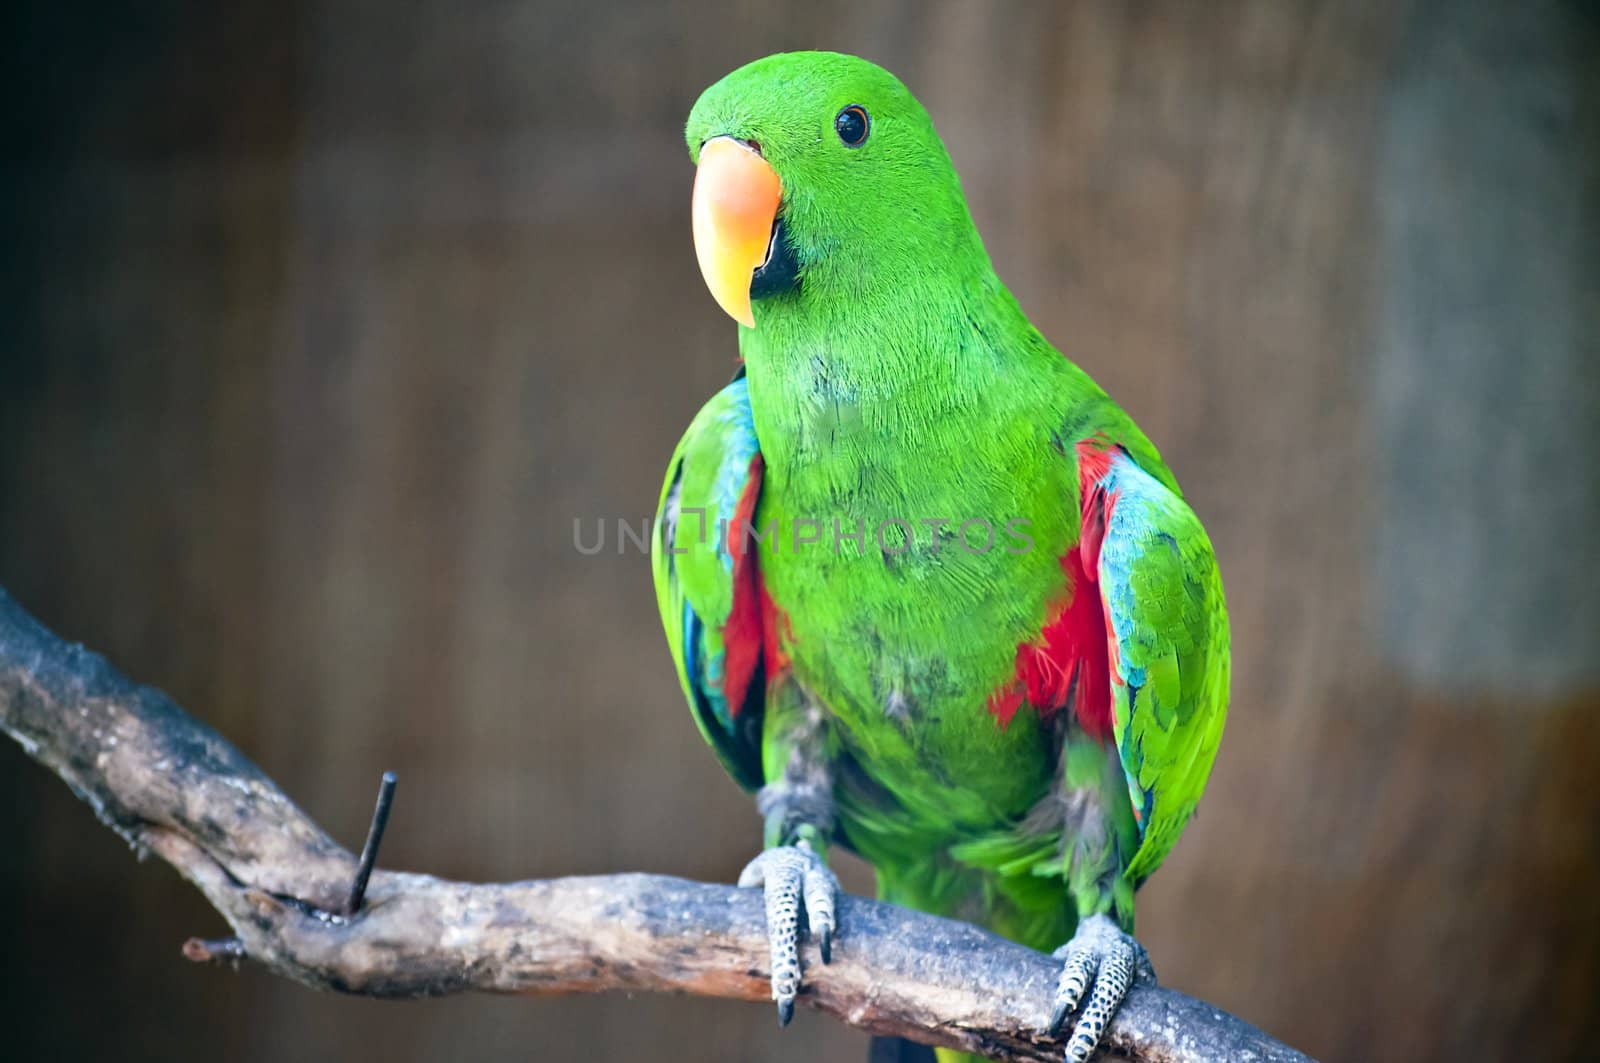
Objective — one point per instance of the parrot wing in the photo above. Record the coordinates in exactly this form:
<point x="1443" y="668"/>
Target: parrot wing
<point x="1168" y="633"/>
<point x="706" y="581"/>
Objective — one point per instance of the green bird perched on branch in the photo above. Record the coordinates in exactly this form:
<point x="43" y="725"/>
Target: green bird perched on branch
<point x="931" y="593"/>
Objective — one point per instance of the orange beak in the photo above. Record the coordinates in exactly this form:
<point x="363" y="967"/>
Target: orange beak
<point x="736" y="196"/>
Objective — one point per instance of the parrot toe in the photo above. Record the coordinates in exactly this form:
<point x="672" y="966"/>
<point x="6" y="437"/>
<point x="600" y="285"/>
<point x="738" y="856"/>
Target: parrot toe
<point x="1103" y="962"/>
<point x="800" y="891"/>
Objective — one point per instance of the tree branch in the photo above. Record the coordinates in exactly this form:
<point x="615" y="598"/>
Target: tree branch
<point x="172" y="786"/>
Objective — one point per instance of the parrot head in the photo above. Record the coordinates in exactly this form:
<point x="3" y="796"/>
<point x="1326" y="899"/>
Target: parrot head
<point x="820" y="177"/>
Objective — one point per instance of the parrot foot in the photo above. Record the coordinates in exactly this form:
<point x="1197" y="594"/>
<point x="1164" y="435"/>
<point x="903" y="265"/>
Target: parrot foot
<point x="1102" y="956"/>
<point x="798" y="885"/>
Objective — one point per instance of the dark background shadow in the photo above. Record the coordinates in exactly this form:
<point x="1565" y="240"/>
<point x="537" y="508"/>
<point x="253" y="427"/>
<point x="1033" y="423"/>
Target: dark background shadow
<point x="325" y="320"/>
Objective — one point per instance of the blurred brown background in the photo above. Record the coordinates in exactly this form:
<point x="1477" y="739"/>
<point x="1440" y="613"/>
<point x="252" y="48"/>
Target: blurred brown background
<point x="325" y="320"/>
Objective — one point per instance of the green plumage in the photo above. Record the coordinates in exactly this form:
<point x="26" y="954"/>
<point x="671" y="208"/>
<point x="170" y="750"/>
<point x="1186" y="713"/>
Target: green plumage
<point x="900" y="382"/>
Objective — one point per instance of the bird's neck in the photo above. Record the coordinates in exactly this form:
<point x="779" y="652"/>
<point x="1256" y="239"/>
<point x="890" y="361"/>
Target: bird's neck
<point x="917" y="378"/>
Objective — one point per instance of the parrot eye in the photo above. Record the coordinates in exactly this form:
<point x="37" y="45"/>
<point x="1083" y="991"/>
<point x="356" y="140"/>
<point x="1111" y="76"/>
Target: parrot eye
<point x="852" y="125"/>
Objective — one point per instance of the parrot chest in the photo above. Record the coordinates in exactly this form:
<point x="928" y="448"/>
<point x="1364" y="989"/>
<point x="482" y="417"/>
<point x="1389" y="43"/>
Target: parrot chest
<point x="901" y="591"/>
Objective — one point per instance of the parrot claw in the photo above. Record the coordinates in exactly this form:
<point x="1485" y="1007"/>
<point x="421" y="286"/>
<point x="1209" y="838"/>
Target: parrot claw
<point x="1102" y="957"/>
<point x="800" y="891"/>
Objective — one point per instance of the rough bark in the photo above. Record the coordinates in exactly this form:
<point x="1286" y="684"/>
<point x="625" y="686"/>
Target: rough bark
<point x="172" y="786"/>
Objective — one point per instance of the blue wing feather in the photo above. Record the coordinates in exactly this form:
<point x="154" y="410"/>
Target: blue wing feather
<point x="1169" y="634"/>
<point x="694" y="574"/>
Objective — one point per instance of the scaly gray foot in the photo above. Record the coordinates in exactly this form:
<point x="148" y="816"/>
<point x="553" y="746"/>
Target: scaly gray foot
<point x="1102" y="956"/>
<point x="797" y="883"/>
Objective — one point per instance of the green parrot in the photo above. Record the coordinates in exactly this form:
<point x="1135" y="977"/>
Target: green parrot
<point x="931" y="594"/>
